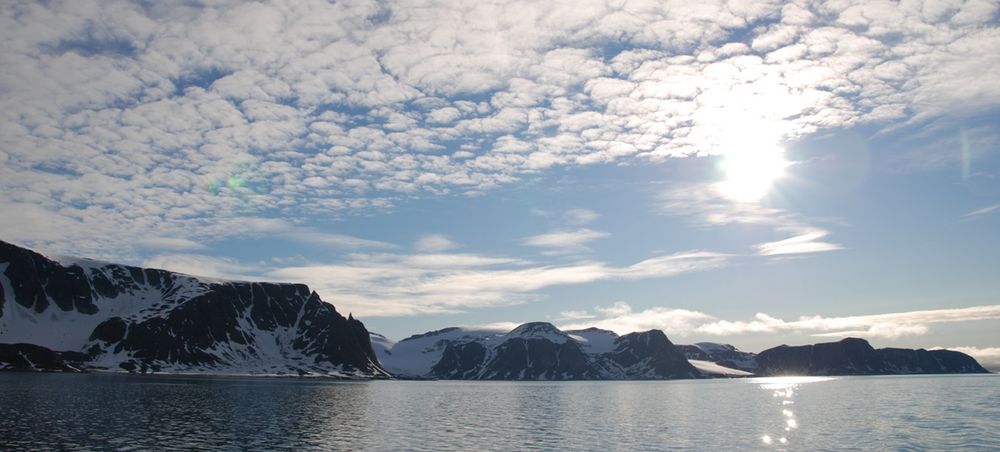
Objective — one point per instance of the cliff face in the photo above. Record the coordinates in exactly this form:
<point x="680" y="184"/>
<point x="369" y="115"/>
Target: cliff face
<point x="854" y="356"/>
<point x="141" y="319"/>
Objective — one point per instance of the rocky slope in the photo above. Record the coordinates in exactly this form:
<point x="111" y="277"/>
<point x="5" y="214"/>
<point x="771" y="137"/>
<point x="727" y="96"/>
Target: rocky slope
<point x="722" y="354"/>
<point x="535" y="351"/>
<point x="854" y="356"/>
<point x="77" y="313"/>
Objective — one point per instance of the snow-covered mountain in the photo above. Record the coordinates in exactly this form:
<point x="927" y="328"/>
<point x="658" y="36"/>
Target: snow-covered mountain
<point x="75" y="313"/>
<point x="534" y="351"/>
<point x="540" y="351"/>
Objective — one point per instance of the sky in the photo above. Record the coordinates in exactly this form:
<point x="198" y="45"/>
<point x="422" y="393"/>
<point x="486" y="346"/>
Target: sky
<point x="754" y="173"/>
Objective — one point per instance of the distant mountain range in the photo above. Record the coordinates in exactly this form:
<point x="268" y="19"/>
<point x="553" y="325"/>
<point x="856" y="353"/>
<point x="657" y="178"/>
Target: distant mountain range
<point x="74" y="314"/>
<point x="534" y="351"/>
<point x="540" y="351"/>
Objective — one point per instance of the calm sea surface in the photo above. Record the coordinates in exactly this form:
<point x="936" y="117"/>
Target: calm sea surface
<point x="56" y="411"/>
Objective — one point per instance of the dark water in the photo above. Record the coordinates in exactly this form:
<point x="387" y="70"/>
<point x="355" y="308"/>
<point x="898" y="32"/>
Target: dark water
<point x="55" y="411"/>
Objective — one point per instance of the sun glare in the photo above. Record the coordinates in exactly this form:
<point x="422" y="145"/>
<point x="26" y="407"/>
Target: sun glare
<point x="749" y="175"/>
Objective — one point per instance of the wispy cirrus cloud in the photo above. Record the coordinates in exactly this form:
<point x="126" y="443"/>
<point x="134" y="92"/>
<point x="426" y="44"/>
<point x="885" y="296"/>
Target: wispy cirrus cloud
<point x="394" y="284"/>
<point x="564" y="241"/>
<point x="709" y="207"/>
<point x="808" y="241"/>
<point x="620" y="317"/>
<point x="580" y="216"/>
<point x="434" y="243"/>
<point x="983" y="211"/>
<point x="134" y="120"/>
<point x="205" y="266"/>
<point x="171" y="243"/>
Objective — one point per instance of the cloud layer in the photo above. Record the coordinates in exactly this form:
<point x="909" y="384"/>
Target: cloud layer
<point x="183" y="121"/>
<point x="393" y="284"/>
<point x="620" y="317"/>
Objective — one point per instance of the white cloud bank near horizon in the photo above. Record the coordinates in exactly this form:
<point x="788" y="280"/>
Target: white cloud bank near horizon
<point x="621" y="318"/>
<point x="126" y="120"/>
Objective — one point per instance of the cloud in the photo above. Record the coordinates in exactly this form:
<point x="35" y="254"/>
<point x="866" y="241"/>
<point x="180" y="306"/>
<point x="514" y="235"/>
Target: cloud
<point x="313" y="237"/>
<point x="617" y="309"/>
<point x="564" y="241"/>
<point x="434" y="243"/>
<point x="397" y="284"/>
<point x="310" y="236"/>
<point x="205" y="266"/>
<point x="988" y="357"/>
<point x="568" y="316"/>
<point x="709" y="207"/>
<point x="621" y="318"/>
<point x="893" y="325"/>
<point x="130" y="120"/>
<point x="171" y="243"/>
<point x="806" y="242"/>
<point x="580" y="216"/>
<point x="983" y="211"/>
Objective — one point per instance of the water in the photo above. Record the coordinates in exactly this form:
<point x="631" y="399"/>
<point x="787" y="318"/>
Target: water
<point x="73" y="411"/>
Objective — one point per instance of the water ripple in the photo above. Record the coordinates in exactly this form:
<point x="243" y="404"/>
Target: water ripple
<point x="120" y="412"/>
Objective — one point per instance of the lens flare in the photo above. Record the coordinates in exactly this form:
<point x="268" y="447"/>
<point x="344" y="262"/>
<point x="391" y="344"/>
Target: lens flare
<point x="242" y="183"/>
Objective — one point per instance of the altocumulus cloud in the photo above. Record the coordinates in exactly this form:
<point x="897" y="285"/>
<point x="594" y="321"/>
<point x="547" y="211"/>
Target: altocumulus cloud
<point x="129" y="120"/>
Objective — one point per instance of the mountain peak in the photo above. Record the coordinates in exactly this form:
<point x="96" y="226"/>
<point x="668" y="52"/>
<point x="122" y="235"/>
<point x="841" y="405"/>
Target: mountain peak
<point x="539" y="330"/>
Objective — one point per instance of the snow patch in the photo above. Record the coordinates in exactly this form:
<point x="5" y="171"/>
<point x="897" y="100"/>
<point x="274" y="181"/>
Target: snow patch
<point x="416" y="355"/>
<point x="594" y="341"/>
<point x="539" y="330"/>
<point x="712" y="369"/>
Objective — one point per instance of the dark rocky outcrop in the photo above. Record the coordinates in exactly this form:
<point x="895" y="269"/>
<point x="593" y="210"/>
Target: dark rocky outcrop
<point x="460" y="361"/>
<point x="650" y="354"/>
<point x="159" y="320"/>
<point x="853" y="356"/>
<point x="30" y="357"/>
<point x="538" y="359"/>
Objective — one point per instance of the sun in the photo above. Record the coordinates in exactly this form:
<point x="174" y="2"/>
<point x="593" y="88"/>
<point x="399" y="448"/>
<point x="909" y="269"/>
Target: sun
<point x="749" y="174"/>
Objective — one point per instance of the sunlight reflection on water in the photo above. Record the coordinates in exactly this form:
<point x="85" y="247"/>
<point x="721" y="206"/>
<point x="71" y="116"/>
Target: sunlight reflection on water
<point x="88" y="412"/>
<point x="783" y="390"/>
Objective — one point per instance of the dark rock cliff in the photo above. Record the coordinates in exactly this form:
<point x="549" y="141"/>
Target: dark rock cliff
<point x="156" y="320"/>
<point x="853" y="356"/>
